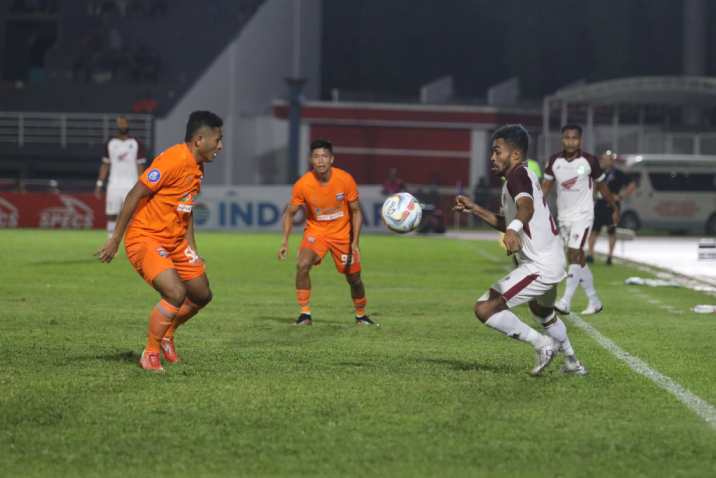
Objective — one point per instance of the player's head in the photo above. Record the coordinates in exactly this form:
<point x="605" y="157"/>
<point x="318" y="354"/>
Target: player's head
<point x="203" y="135"/>
<point x="608" y="160"/>
<point x="123" y="125"/>
<point x="571" y="138"/>
<point x="509" y="148"/>
<point x="321" y="155"/>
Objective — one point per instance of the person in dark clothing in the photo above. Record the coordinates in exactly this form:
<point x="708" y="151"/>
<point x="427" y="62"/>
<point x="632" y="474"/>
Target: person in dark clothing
<point x="616" y="181"/>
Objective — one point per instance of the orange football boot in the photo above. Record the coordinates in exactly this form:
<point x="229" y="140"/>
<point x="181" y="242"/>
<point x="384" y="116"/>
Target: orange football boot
<point x="168" y="350"/>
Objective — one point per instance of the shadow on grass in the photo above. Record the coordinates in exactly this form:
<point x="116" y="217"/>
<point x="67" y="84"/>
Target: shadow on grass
<point x="461" y="366"/>
<point x="123" y="356"/>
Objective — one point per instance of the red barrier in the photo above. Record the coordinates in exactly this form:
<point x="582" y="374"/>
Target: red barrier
<point x="50" y="211"/>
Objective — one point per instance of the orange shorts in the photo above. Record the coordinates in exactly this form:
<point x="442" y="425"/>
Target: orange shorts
<point x="341" y="252"/>
<point x="149" y="258"/>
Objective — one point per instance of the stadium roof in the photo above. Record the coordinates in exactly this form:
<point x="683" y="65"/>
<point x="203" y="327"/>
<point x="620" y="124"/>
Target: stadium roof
<point x="643" y="90"/>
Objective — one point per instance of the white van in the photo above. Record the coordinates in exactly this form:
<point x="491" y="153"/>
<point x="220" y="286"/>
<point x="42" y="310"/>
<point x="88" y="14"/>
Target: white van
<point x="675" y="193"/>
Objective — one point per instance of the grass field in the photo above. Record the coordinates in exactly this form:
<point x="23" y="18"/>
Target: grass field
<point x="431" y="392"/>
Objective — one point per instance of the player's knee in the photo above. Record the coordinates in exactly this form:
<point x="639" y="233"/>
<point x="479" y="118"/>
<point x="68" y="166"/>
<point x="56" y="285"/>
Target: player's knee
<point x="204" y="298"/>
<point x="483" y="310"/>
<point x="176" y="295"/>
<point x="573" y="256"/>
<point x="303" y="267"/>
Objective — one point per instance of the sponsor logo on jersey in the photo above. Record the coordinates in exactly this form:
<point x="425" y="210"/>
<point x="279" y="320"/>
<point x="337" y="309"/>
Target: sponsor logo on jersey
<point x="188" y="197"/>
<point x="340" y="196"/>
<point x="330" y="217"/>
<point x="162" y="252"/>
<point x="74" y="215"/>
<point x="580" y="170"/>
<point x="568" y="184"/>
<point x="154" y="175"/>
<point x="184" y="208"/>
<point x="122" y="157"/>
<point x="311" y="240"/>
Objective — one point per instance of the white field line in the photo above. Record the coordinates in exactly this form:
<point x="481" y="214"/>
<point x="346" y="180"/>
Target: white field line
<point x="702" y="408"/>
<point x="694" y="402"/>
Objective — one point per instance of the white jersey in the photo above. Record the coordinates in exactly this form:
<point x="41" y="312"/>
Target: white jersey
<point x="574" y="180"/>
<point x="123" y="157"/>
<point x="541" y="250"/>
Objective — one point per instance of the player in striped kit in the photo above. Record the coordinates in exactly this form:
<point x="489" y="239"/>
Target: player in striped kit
<point x="530" y="234"/>
<point x="123" y="160"/>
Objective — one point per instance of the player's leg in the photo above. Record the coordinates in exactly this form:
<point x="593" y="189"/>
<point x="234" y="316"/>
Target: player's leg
<point x="198" y="295"/>
<point x="586" y="279"/>
<point x="493" y="310"/>
<point x="113" y="205"/>
<point x="543" y="313"/>
<point x="310" y="253"/>
<point x="170" y="286"/>
<point x="351" y="269"/>
<point x="575" y="258"/>
<point x="592" y="242"/>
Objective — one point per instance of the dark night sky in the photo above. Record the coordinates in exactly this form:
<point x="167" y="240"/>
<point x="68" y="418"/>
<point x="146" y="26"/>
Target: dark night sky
<point x="392" y="47"/>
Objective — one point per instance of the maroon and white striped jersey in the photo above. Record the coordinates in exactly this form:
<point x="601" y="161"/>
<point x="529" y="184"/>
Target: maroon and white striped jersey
<point x="541" y="250"/>
<point x="575" y="184"/>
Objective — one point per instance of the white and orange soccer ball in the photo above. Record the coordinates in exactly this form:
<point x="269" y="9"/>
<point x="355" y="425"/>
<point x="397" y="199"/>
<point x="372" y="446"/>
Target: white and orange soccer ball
<point x="402" y="213"/>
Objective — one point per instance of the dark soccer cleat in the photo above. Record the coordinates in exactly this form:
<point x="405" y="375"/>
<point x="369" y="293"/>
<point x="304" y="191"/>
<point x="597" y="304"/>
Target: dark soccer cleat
<point x="609" y="261"/>
<point x="365" y="320"/>
<point x="590" y="259"/>
<point x="303" y="319"/>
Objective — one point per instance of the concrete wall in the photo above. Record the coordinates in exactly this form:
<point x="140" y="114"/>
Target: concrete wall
<point x="240" y="85"/>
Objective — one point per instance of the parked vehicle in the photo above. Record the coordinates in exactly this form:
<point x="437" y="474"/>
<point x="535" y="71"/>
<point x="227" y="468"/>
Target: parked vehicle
<point x="675" y="193"/>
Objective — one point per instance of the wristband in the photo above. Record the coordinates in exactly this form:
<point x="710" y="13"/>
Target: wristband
<point x="516" y="225"/>
<point x="99" y="183"/>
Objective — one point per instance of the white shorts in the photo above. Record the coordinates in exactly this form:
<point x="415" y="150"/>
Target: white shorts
<point x="115" y="200"/>
<point x="521" y="286"/>
<point x="575" y="234"/>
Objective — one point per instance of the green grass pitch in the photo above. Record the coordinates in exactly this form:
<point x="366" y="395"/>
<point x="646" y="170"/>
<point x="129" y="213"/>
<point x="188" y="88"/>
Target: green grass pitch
<point x="431" y="392"/>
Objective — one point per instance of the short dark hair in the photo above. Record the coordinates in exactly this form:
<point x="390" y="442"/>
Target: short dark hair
<point x="567" y="127"/>
<point x="199" y="120"/>
<point x="514" y="135"/>
<point x="322" y="143"/>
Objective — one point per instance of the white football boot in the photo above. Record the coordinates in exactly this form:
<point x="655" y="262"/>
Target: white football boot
<point x="562" y="306"/>
<point x="544" y="355"/>
<point x="592" y="308"/>
<point x="573" y="366"/>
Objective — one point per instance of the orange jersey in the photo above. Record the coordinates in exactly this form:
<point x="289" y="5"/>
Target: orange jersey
<point x="328" y="213"/>
<point x="174" y="181"/>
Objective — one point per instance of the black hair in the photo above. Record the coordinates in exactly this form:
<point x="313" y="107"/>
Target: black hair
<point x="514" y="135"/>
<point x="572" y="126"/>
<point x="199" y="120"/>
<point x="322" y="143"/>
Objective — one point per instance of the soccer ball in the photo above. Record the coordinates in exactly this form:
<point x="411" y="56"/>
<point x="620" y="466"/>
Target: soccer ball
<point x="402" y="213"/>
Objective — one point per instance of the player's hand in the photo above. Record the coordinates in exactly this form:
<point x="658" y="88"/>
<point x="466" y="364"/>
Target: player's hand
<point x="512" y="242"/>
<point x="355" y="252"/>
<point x="108" y="251"/>
<point x="98" y="192"/>
<point x="203" y="262"/>
<point x="463" y="204"/>
<point x="616" y="217"/>
<point x="282" y="253"/>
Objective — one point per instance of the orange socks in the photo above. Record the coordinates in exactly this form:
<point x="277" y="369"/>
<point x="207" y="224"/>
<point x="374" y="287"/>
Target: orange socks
<point x="360" y="306"/>
<point x="186" y="312"/>
<point x="160" y="320"/>
<point x="304" y="301"/>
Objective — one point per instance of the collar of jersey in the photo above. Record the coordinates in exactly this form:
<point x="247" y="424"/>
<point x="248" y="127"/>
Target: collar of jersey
<point x="579" y="155"/>
<point x="523" y="164"/>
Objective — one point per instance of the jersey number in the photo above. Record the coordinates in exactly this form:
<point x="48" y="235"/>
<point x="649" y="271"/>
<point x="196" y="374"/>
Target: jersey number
<point x="193" y="256"/>
<point x="344" y="259"/>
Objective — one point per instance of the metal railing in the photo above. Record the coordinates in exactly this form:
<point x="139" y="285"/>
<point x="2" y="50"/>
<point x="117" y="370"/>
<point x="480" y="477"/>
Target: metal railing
<point x="645" y="143"/>
<point x="64" y="129"/>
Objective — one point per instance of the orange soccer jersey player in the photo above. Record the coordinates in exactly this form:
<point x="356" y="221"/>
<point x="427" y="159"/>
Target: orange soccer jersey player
<point x="334" y="221"/>
<point x="160" y="240"/>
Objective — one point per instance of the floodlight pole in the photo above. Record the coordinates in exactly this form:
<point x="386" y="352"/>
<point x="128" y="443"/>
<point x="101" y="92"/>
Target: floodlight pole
<point x="295" y="101"/>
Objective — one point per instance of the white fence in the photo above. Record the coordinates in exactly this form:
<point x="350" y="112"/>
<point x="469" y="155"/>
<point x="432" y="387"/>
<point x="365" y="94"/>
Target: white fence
<point x="633" y="142"/>
<point x="64" y="129"/>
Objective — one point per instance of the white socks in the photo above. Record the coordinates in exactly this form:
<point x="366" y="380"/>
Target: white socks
<point x="110" y="228"/>
<point x="574" y="274"/>
<point x="587" y="283"/>
<point x="510" y="325"/>
<point x="558" y="331"/>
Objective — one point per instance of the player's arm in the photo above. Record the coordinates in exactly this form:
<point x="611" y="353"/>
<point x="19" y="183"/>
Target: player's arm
<point x="547" y="186"/>
<point x="103" y="172"/>
<point x="140" y="168"/>
<point x="287" y="226"/>
<point x="357" y="214"/>
<point x="607" y="194"/>
<point x="108" y="251"/>
<point x="465" y="204"/>
<point x="525" y="211"/>
<point x="190" y="237"/>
